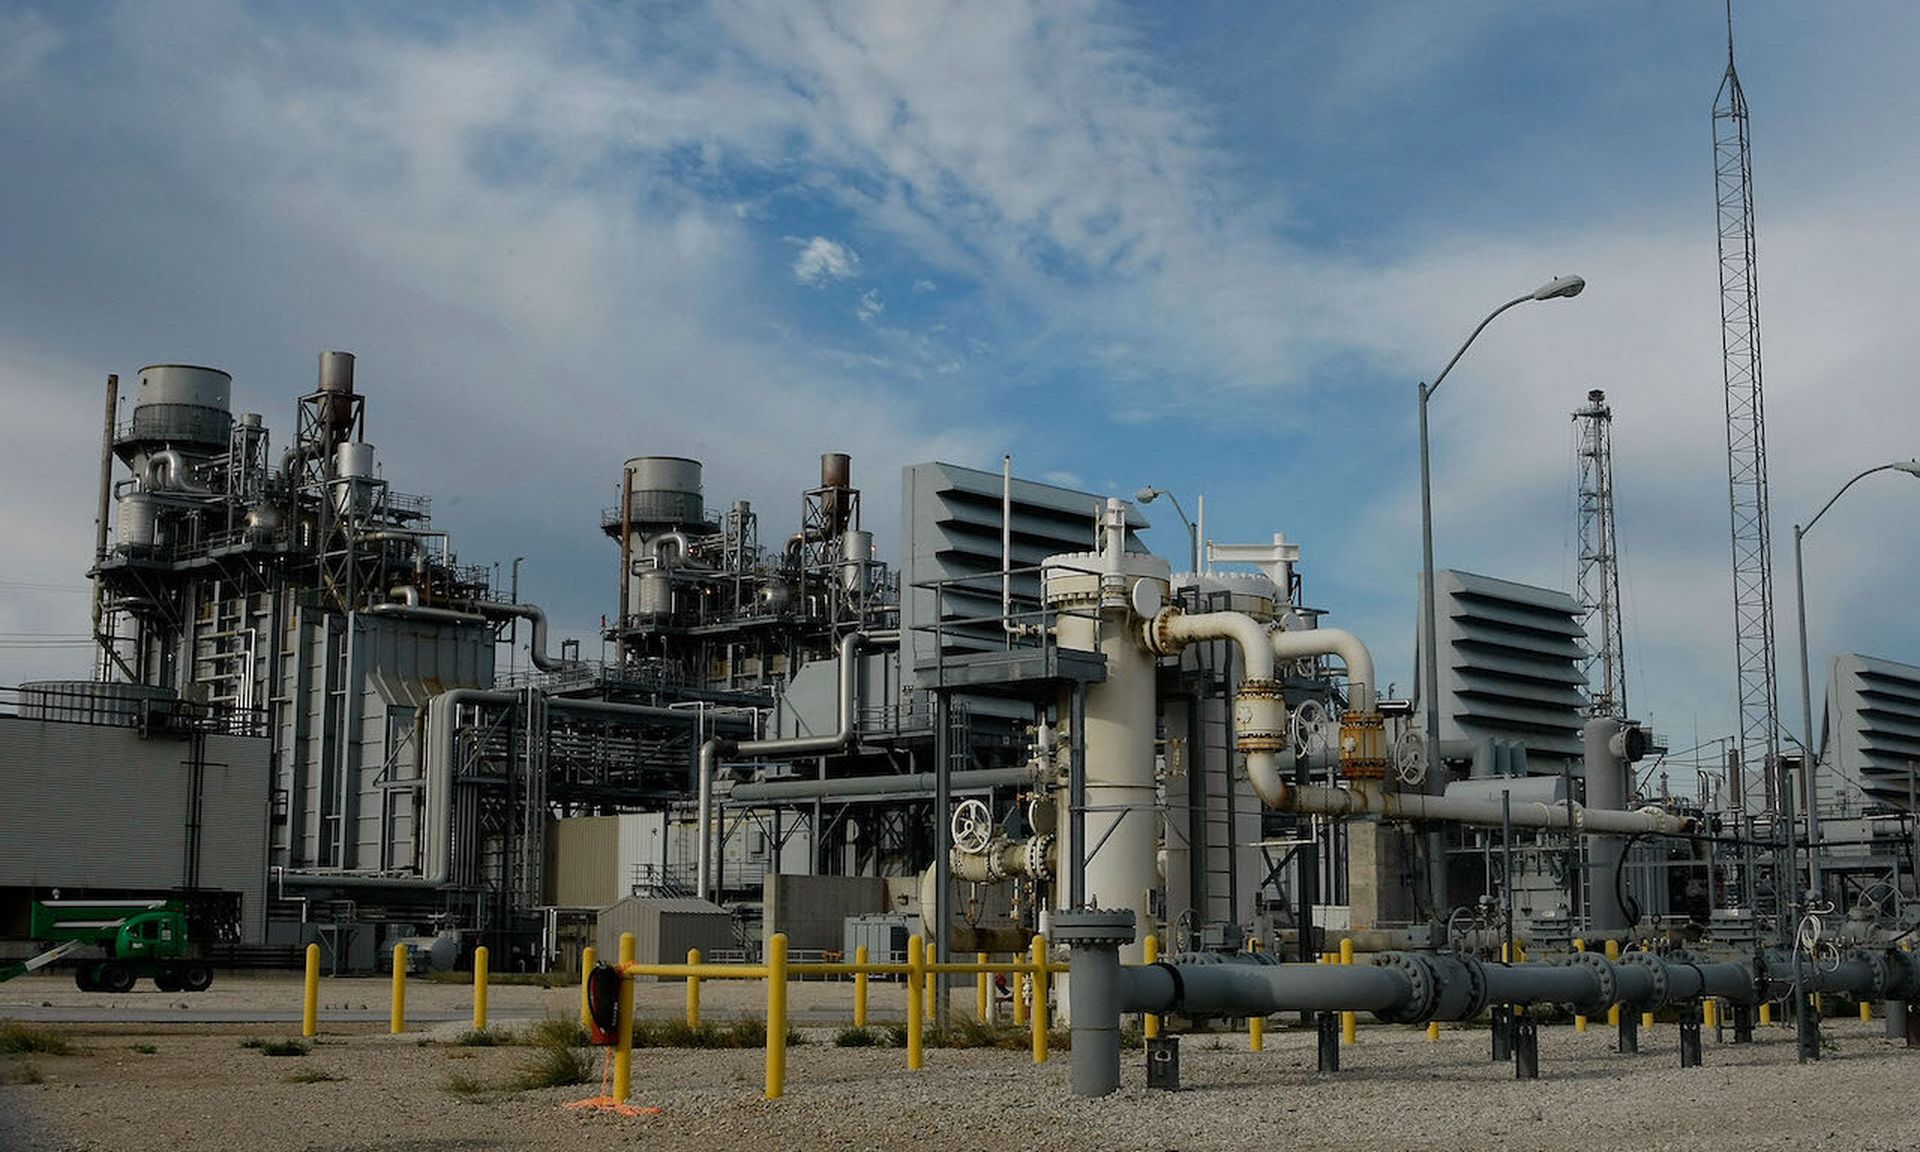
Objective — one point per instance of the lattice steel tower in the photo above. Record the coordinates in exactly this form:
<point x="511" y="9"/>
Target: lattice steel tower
<point x="1746" y="438"/>
<point x="1599" y="585"/>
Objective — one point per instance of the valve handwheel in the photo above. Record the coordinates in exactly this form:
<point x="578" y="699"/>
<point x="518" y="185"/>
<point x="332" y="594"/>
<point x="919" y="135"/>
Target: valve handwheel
<point x="1309" y="728"/>
<point x="972" y="826"/>
<point x="1410" y="758"/>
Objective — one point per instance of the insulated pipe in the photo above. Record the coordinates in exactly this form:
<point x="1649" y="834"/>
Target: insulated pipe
<point x="1606" y="789"/>
<point x="680" y="542"/>
<point x="537" y="646"/>
<point x="1361" y="801"/>
<point x="412" y="611"/>
<point x="843" y="736"/>
<point x="167" y="472"/>
<point x="1332" y="642"/>
<point x="1259" y="711"/>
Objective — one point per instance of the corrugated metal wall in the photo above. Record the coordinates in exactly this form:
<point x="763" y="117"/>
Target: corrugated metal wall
<point x="101" y="807"/>
<point x="583" y="862"/>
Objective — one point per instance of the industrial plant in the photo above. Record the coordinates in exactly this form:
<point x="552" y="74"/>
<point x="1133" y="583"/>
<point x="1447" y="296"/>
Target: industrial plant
<point x="1001" y="719"/>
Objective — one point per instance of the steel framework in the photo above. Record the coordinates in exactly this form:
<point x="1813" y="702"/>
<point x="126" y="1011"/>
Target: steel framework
<point x="1599" y="584"/>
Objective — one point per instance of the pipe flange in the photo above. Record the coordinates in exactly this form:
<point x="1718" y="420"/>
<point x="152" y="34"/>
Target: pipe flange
<point x="1606" y="985"/>
<point x="1158" y="632"/>
<point x="1095" y="927"/>
<point x="1657" y="970"/>
<point x="1876" y="963"/>
<point x="1423" y="988"/>
<point x="1476" y="976"/>
<point x="1039" y="849"/>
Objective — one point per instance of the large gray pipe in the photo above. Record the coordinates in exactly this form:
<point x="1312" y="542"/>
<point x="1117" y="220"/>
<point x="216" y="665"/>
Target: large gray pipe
<point x="1365" y="801"/>
<point x="537" y="646"/>
<point x="1606" y="789"/>
<point x="845" y="732"/>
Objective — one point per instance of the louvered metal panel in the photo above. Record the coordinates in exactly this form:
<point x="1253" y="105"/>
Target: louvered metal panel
<point x="1870" y="743"/>
<point x="1510" y="666"/>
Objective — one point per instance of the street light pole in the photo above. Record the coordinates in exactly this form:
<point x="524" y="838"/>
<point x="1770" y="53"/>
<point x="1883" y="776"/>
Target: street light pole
<point x="1557" y="288"/>
<point x="1809" y="756"/>
<point x="1149" y="495"/>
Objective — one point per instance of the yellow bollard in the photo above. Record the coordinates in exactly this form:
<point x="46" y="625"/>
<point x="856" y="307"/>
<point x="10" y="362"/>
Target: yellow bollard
<point x="310" y="1002"/>
<point x="1612" y="949"/>
<point x="1579" y="1022"/>
<point x="860" y="987"/>
<point x="1349" y="1021"/>
<point x="480" y="988"/>
<point x="1433" y="1030"/>
<point x="589" y="956"/>
<point x="982" y="990"/>
<point x="1710" y="1013"/>
<point x="1646" y="1021"/>
<point x="1150" y="1023"/>
<point x="623" y="1043"/>
<point x="916" y="980"/>
<point x="1256" y="1033"/>
<point x="399" y="1020"/>
<point x="693" y="991"/>
<point x="776" y="1015"/>
<point x="1766" y="1013"/>
<point x="1019" y="997"/>
<point x="932" y="990"/>
<point x="1039" y="1013"/>
<point x="1866" y="1010"/>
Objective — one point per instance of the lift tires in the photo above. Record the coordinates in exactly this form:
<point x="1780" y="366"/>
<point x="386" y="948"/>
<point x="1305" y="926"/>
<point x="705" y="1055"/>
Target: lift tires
<point x="167" y="981"/>
<point x="83" y="979"/>
<point x="196" y="977"/>
<point x="115" y="977"/>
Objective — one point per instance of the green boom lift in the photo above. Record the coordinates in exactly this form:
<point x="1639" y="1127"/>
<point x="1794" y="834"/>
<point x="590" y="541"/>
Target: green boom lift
<point x="140" y="939"/>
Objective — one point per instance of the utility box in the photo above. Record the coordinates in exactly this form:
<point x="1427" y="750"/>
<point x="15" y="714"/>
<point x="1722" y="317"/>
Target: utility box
<point x="883" y="934"/>
<point x="1163" y="1063"/>
<point x="663" y="928"/>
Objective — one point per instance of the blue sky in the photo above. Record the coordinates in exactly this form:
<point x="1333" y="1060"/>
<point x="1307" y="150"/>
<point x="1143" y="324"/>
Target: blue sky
<point x="1210" y="247"/>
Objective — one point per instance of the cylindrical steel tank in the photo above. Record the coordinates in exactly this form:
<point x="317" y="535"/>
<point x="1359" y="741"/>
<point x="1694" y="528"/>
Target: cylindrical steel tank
<point x="1092" y="592"/>
<point x="183" y="405"/>
<point x="666" y="491"/>
<point x="836" y="470"/>
<point x="353" y="475"/>
<point x="856" y="552"/>
<point x="336" y="372"/>
<point x="89" y="701"/>
<point x="836" y="478"/>
<point x="653" y="594"/>
<point x="136" y="526"/>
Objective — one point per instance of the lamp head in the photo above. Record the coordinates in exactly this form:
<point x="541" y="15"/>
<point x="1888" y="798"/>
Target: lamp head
<point x="1558" y="287"/>
<point x="1147" y="495"/>
<point x="1910" y="467"/>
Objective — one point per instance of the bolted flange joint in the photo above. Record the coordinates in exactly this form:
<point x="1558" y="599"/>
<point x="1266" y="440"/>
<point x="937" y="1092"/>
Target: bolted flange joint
<point x="1094" y="928"/>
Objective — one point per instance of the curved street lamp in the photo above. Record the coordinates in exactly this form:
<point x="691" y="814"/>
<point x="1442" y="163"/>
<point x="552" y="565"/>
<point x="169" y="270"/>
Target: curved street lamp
<point x="1809" y="757"/>
<point x="1558" y="288"/>
<point x="1149" y="495"/>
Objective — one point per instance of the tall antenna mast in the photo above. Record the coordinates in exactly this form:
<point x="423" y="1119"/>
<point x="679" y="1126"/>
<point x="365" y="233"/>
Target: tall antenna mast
<point x="1605" y="664"/>
<point x="1746" y="440"/>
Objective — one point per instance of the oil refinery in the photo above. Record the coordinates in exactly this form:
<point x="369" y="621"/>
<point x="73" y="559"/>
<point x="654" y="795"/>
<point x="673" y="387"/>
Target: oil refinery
<point x="945" y="730"/>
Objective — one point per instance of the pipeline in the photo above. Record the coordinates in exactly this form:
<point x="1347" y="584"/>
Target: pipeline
<point x="911" y="786"/>
<point x="537" y="646"/>
<point x="1410" y="988"/>
<point x="1333" y="642"/>
<point x="1363" y="800"/>
<point x="845" y="733"/>
<point x="1259" y="710"/>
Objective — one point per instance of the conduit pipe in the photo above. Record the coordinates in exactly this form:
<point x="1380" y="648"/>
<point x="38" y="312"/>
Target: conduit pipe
<point x="537" y="645"/>
<point x="1333" y="642"/>
<point x="167" y="472"/>
<point x="914" y="785"/>
<point x="845" y="733"/>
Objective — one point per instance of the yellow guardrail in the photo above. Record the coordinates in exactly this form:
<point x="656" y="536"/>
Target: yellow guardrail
<point x="779" y="972"/>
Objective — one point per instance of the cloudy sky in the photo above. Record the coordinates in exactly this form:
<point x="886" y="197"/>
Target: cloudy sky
<point x="1203" y="246"/>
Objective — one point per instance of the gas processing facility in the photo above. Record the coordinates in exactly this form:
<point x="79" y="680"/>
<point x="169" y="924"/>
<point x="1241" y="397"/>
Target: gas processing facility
<point x="1187" y="777"/>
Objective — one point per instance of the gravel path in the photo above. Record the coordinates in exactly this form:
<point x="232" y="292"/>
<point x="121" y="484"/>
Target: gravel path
<point x="202" y="1090"/>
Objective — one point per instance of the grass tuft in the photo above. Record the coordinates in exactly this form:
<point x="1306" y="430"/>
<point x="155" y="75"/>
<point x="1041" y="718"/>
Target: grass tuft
<point x="481" y="1038"/>
<point x="310" y="1076"/>
<point x="253" y="1042"/>
<point x="144" y="1049"/>
<point x="461" y="1084"/>
<point x="557" y="1032"/>
<point x="22" y="1040"/>
<point x="285" y="1048"/>
<point x="855" y="1038"/>
<point x="22" y="1072"/>
<point x="553" y="1067"/>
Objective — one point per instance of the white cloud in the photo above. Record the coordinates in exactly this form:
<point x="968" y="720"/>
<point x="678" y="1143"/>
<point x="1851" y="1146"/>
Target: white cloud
<point x="821" y="260"/>
<point x="871" y="307"/>
<point x="923" y="286"/>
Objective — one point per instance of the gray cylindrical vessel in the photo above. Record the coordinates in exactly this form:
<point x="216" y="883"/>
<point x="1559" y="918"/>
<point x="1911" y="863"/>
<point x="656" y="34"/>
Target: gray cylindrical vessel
<point x="654" y="597"/>
<point x="183" y="404"/>
<point x="666" y="490"/>
<point x="136" y="526"/>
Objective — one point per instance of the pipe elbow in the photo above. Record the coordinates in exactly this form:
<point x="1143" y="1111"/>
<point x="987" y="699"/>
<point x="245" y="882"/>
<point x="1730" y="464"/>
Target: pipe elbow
<point x="1171" y="630"/>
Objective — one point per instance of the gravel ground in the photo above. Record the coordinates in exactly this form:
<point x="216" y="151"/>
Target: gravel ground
<point x="202" y="1090"/>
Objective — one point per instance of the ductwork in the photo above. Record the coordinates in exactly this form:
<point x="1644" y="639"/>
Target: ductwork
<point x="167" y="472"/>
<point x="537" y="646"/>
<point x="1310" y="642"/>
<point x="846" y="731"/>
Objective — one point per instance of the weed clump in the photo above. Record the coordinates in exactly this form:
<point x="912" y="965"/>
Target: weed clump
<point x="22" y="1040"/>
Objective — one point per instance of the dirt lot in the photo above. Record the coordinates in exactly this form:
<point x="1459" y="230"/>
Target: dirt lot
<point x="361" y="1089"/>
